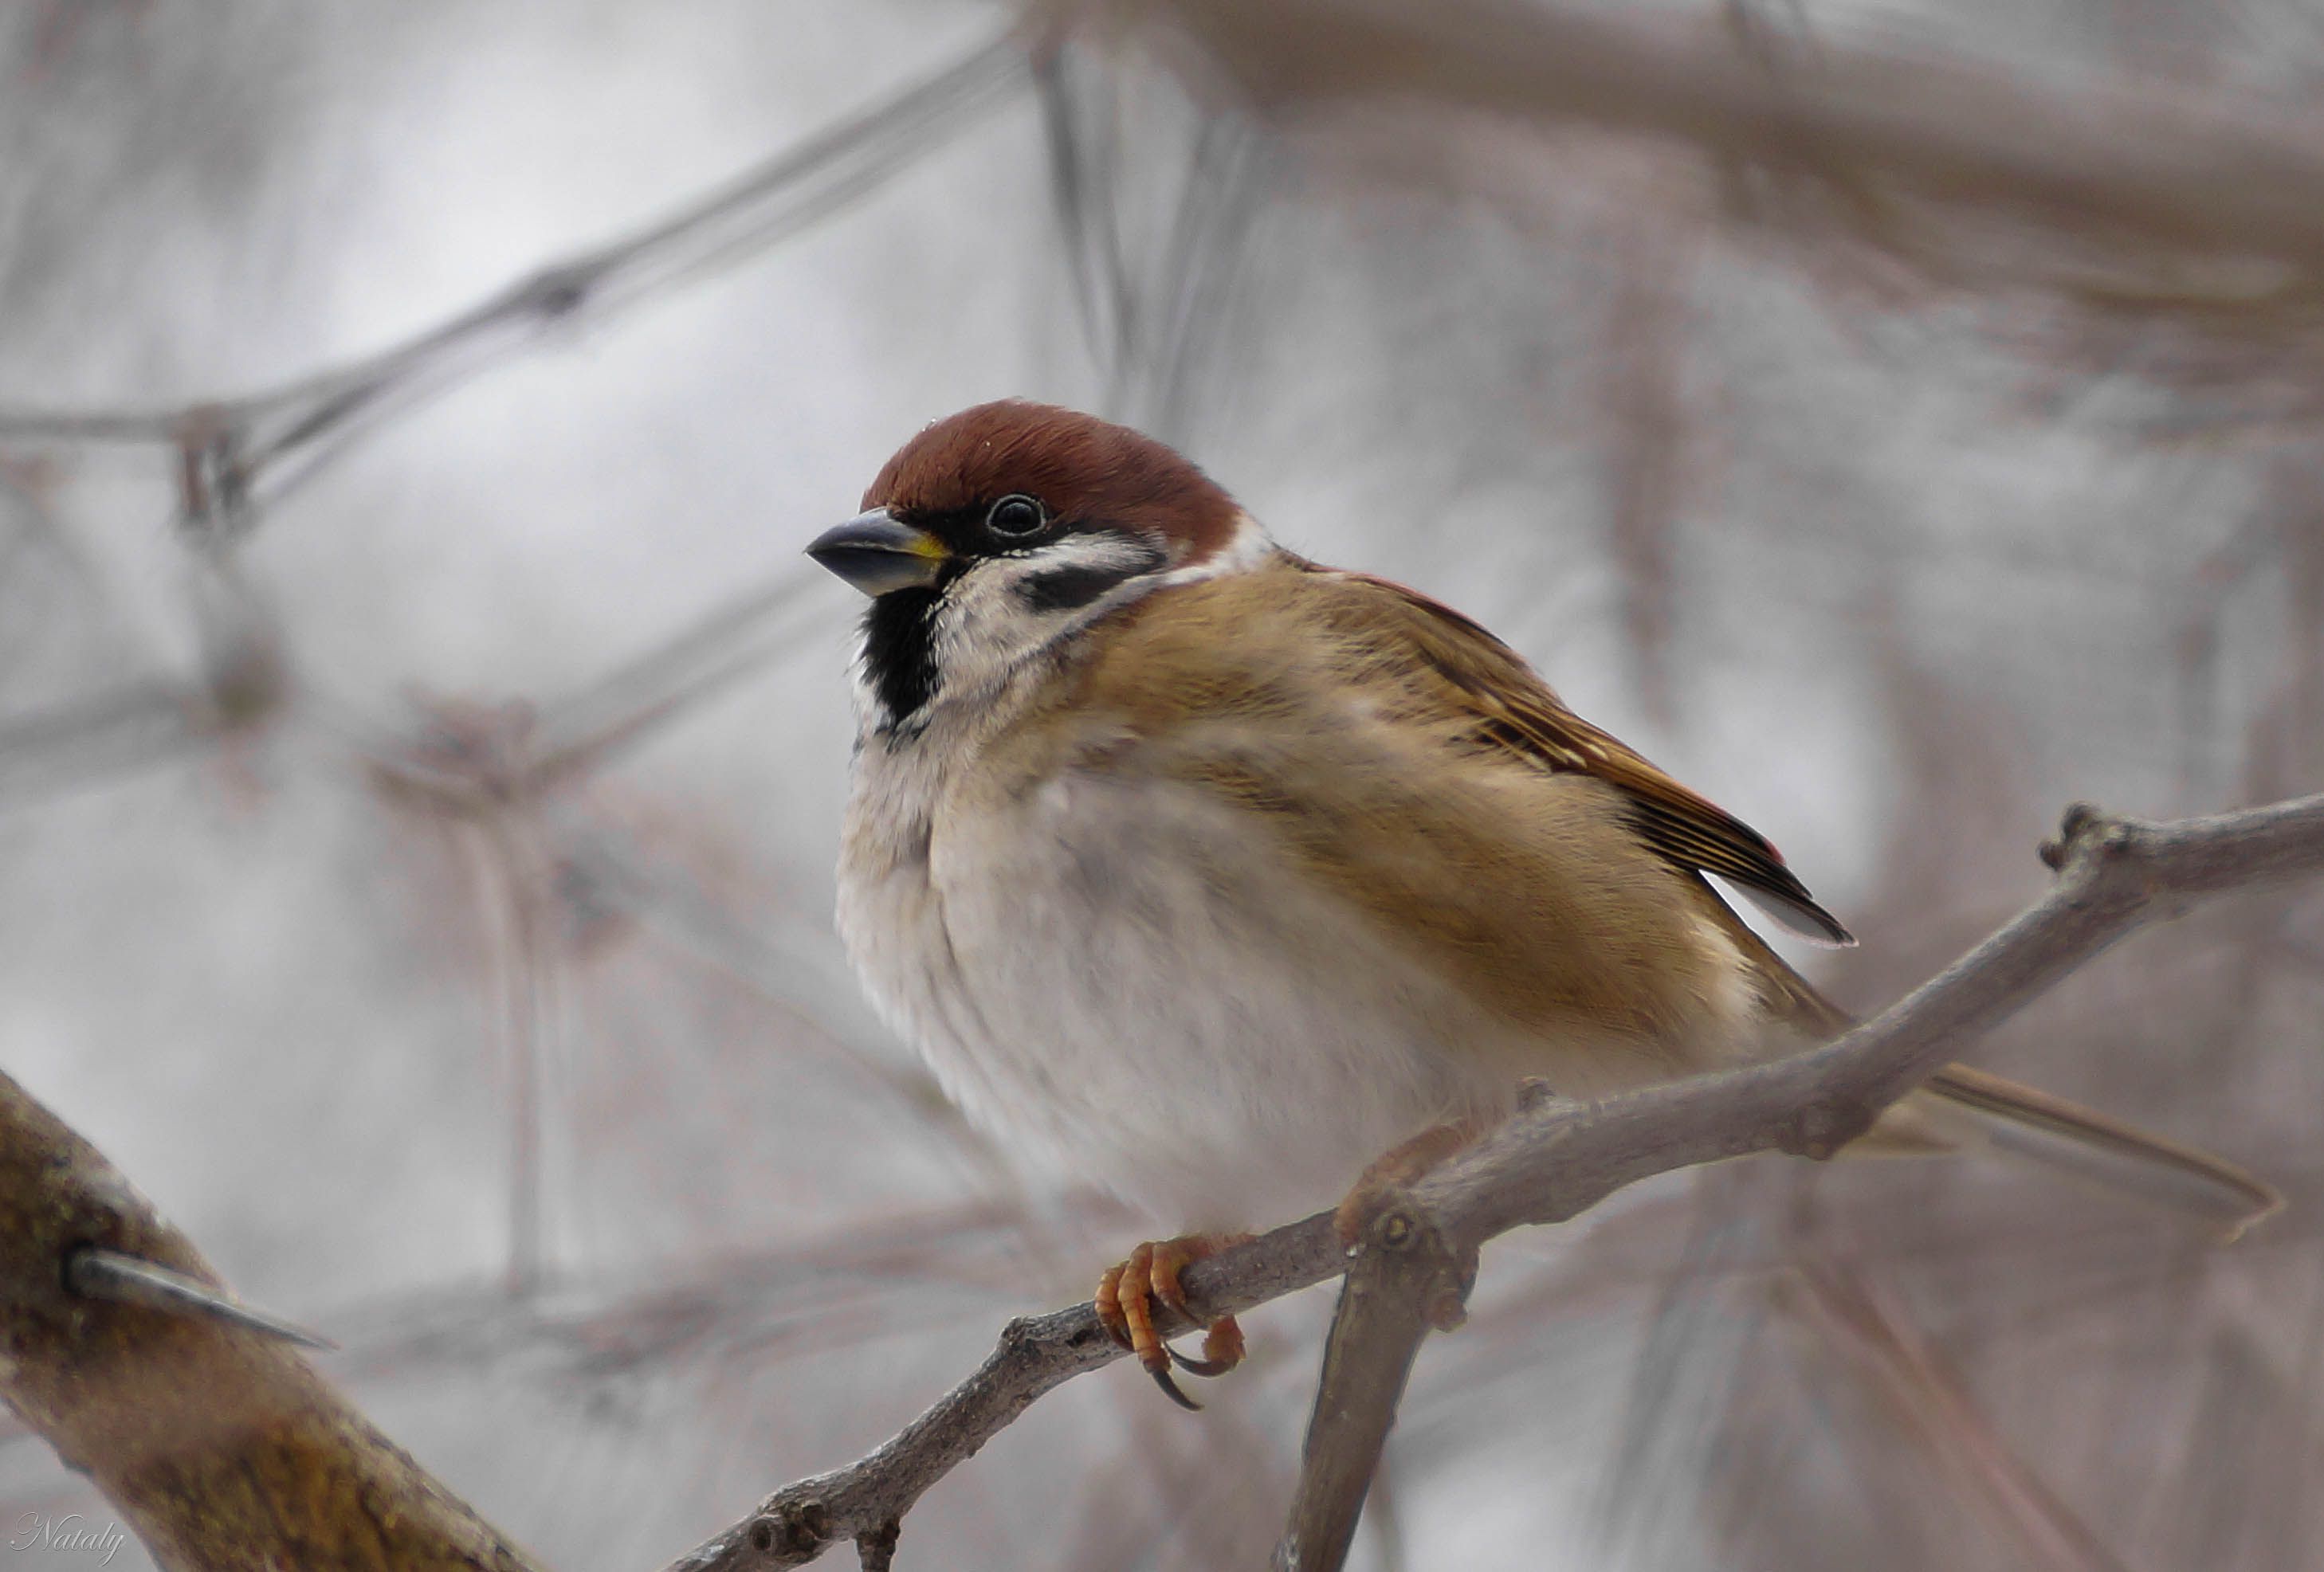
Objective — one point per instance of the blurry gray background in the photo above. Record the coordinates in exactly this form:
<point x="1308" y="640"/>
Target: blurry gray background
<point x="419" y="788"/>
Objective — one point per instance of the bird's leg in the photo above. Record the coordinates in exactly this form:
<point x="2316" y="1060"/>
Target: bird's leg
<point x="1398" y="1166"/>
<point x="1126" y="1297"/>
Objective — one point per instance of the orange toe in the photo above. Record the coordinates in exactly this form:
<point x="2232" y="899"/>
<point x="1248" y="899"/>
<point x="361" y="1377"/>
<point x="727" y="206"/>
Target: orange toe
<point x="1125" y="1300"/>
<point x="1107" y="1301"/>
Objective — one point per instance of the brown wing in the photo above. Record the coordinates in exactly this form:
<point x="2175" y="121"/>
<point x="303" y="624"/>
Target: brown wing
<point x="1692" y="833"/>
<point x="1521" y="713"/>
<point x="1352" y="730"/>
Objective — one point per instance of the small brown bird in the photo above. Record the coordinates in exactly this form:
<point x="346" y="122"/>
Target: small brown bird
<point x="1213" y="874"/>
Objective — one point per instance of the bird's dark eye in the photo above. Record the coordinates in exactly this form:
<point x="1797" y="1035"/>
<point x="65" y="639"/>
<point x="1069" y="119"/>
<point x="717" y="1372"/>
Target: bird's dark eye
<point x="1016" y="516"/>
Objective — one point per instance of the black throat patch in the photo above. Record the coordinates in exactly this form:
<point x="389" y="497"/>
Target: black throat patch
<point x="899" y="654"/>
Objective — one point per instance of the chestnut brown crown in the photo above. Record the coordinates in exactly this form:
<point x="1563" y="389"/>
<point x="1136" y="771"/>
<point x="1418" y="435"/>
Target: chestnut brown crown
<point x="1085" y="471"/>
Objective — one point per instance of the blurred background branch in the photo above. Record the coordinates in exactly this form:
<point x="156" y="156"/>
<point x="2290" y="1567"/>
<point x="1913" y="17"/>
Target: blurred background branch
<point x="1914" y="151"/>
<point x="228" y="445"/>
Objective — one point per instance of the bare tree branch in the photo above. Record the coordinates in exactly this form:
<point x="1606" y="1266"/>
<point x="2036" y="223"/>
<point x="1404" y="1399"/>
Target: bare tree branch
<point x="1557" y="1159"/>
<point x="1403" y="1279"/>
<point x="220" y="1445"/>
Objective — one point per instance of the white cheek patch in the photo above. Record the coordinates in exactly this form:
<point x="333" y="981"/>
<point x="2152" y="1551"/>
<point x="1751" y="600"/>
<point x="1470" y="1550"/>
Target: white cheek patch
<point x="1006" y="609"/>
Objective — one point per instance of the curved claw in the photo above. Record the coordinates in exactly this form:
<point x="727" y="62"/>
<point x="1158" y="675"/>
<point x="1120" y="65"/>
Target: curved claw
<point x="1222" y="1349"/>
<point x="1205" y="1368"/>
<point x="1170" y="1389"/>
<point x="1125" y="1303"/>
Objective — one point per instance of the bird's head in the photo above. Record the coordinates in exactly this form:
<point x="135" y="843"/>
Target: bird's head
<point x="997" y="530"/>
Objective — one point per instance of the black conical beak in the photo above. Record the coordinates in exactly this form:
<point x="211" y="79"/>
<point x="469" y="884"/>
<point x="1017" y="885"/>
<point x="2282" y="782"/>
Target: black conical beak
<point x="876" y="554"/>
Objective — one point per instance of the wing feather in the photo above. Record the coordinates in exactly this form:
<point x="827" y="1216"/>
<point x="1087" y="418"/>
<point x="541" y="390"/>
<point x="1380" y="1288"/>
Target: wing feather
<point x="1519" y="712"/>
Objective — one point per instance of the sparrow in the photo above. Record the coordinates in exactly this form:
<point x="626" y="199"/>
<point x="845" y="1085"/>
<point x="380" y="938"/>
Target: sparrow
<point x="1239" y="884"/>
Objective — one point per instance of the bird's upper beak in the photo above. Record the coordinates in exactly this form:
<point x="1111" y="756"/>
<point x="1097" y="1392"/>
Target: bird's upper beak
<point x="876" y="554"/>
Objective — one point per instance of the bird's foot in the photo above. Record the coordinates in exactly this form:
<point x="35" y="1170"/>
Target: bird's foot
<point x="1128" y="1293"/>
<point x="1398" y="1166"/>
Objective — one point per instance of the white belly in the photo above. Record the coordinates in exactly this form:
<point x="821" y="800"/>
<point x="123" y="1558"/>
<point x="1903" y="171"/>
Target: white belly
<point x="1146" y="995"/>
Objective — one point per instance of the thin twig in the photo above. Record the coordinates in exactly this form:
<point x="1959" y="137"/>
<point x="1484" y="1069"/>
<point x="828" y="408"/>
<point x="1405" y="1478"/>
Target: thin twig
<point x="108" y="1274"/>
<point x="1036" y="1354"/>
<point x="620" y="708"/>
<point x="511" y="881"/>
<point x="140" y="726"/>
<point x="1937" y="1417"/>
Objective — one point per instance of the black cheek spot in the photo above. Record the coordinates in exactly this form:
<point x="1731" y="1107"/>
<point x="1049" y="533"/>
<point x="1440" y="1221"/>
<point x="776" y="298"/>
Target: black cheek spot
<point x="1069" y="587"/>
<point x="1066" y="589"/>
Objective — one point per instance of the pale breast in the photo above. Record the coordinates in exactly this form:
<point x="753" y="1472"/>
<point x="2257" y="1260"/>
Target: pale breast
<point x="1188" y="1020"/>
<point x="1131" y="982"/>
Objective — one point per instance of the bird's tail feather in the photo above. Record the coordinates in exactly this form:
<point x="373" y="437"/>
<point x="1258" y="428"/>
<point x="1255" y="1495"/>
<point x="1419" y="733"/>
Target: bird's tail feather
<point x="1962" y="1106"/>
